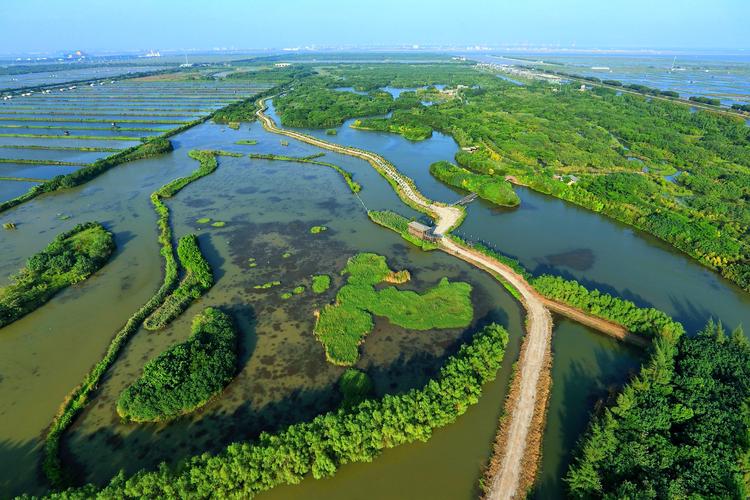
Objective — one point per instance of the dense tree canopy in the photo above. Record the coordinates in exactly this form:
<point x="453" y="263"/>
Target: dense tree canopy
<point x="185" y="376"/>
<point x="680" y="430"/>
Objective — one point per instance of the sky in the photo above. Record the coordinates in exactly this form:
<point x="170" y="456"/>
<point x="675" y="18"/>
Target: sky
<point x="28" y="26"/>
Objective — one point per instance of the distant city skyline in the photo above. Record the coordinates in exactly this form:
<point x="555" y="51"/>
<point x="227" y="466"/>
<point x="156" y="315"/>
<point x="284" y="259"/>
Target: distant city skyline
<point x="38" y="26"/>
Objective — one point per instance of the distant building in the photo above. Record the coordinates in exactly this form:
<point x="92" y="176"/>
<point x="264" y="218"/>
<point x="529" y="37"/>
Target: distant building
<point x="282" y="65"/>
<point x="419" y="230"/>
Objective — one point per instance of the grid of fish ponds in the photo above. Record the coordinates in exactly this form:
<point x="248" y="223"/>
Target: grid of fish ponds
<point x="54" y="132"/>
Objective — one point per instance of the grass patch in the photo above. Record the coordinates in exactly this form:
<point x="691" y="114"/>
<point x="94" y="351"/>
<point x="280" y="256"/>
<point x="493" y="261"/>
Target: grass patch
<point x="343" y="326"/>
<point x="267" y="285"/>
<point x="321" y="283"/>
<point x="318" y="229"/>
<point x="187" y="375"/>
<point x="247" y="142"/>
<point x="70" y="258"/>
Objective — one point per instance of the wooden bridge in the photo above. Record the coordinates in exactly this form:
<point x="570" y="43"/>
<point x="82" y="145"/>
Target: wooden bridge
<point x="465" y="200"/>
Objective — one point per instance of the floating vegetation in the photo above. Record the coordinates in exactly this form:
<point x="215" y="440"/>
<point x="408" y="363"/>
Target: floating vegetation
<point x="64" y="216"/>
<point x="203" y="220"/>
<point x="286" y="295"/>
<point x="286" y="255"/>
<point x="9" y="225"/>
<point x="218" y="223"/>
<point x="343" y="325"/>
<point x="267" y="285"/>
<point x="332" y="131"/>
<point x="247" y="142"/>
<point x="318" y="229"/>
<point x="355" y="386"/>
<point x="321" y="283"/>
<point x="298" y="290"/>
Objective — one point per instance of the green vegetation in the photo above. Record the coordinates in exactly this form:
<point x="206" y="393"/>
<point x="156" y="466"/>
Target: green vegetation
<point x="543" y="134"/>
<point x="342" y="326"/>
<point x="79" y="396"/>
<point x="70" y="258"/>
<point x="354" y="186"/>
<point x="187" y="375"/>
<point x="197" y="280"/>
<point x="44" y="162"/>
<point x="741" y="107"/>
<point x="706" y="100"/>
<point x="646" y="321"/>
<point x="247" y="142"/>
<point x="493" y="189"/>
<point x="242" y="111"/>
<point x="319" y="447"/>
<point x="286" y="255"/>
<point x="299" y="290"/>
<point x="679" y="430"/>
<point x="321" y="283"/>
<point x="267" y="285"/>
<point x="203" y="220"/>
<point x="404" y="125"/>
<point x="355" y="386"/>
<point x="218" y="223"/>
<point x="318" y="229"/>
<point x="286" y="295"/>
<point x="400" y="224"/>
<point x="315" y="106"/>
<point x="332" y="131"/>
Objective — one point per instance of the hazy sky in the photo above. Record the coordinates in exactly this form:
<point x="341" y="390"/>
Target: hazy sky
<point x="52" y="25"/>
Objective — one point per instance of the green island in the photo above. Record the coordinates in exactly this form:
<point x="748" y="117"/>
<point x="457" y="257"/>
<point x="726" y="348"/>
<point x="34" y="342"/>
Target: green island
<point x="678" y="430"/>
<point x="247" y="142"/>
<point x="488" y="187"/>
<point x="321" y="283"/>
<point x="187" y="375"/>
<point x="70" y="258"/>
<point x="342" y="326"/>
<point x="309" y="448"/>
<point x="197" y="280"/>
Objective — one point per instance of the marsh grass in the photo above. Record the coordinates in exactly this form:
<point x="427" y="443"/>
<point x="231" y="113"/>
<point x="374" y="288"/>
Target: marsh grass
<point x="343" y="325"/>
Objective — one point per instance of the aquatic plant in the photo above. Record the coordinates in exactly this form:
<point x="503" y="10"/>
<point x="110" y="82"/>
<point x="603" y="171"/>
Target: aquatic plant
<point x="321" y="283"/>
<point x="343" y="325"/>
<point x="318" y="229"/>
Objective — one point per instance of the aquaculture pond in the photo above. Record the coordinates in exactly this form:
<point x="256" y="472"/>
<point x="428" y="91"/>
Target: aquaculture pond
<point x="111" y="115"/>
<point x="551" y="236"/>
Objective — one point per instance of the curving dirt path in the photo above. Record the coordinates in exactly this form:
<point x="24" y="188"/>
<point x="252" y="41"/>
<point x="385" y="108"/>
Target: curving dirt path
<point x="520" y="443"/>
